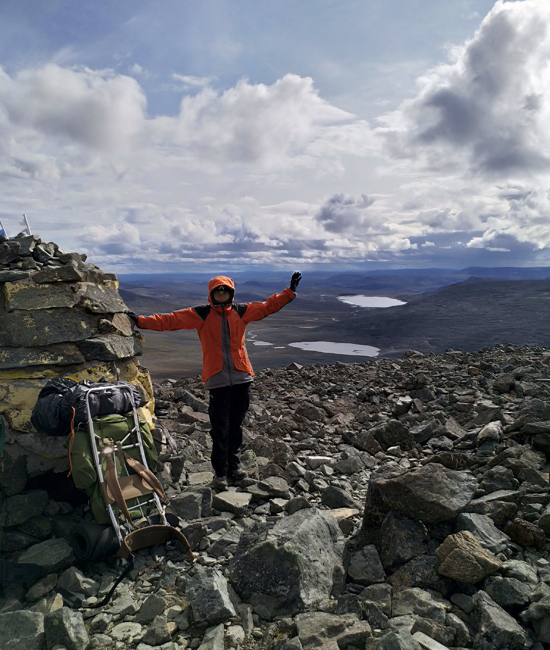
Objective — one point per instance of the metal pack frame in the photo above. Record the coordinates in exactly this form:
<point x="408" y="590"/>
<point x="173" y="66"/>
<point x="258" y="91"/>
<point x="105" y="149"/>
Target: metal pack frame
<point x="127" y="443"/>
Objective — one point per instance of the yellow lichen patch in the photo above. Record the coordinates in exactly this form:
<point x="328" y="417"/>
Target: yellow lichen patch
<point x="23" y="373"/>
<point x="138" y="375"/>
<point x="32" y="296"/>
<point x="105" y="371"/>
<point x="131" y="371"/>
<point x="18" y="394"/>
<point x="144" y="414"/>
<point x="19" y="419"/>
<point x="9" y="290"/>
<point x="17" y="400"/>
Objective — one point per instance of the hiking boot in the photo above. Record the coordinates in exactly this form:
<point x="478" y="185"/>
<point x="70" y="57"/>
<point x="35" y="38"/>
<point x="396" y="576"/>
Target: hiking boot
<point x="238" y="474"/>
<point x="220" y="483"/>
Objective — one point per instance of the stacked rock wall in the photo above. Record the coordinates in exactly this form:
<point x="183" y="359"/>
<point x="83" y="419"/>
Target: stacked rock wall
<point x="59" y="317"/>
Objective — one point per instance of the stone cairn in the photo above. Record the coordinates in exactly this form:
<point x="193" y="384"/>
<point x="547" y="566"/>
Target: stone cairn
<point x="59" y="317"/>
<point x="390" y="505"/>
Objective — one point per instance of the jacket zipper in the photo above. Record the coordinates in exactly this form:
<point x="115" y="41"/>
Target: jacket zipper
<point x="225" y="351"/>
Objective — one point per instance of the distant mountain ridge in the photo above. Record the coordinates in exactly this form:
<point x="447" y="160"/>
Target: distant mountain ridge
<point x="469" y="315"/>
<point x="445" y="309"/>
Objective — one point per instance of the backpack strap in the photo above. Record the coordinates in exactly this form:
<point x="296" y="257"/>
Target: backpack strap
<point x="71" y="441"/>
<point x="202" y="311"/>
<point x="240" y="308"/>
<point x="111" y="479"/>
<point x="129" y="567"/>
<point x="146" y="475"/>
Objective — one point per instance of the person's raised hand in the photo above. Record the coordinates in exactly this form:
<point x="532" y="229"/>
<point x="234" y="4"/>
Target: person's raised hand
<point x="295" y="280"/>
<point x="133" y="317"/>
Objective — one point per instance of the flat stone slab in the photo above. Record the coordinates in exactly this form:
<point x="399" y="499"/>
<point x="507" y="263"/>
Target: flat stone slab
<point x="45" y="326"/>
<point x="13" y="276"/>
<point x="190" y="417"/>
<point x="110" y="348"/>
<point x="200" y="478"/>
<point x="62" y="354"/>
<point x="275" y="486"/>
<point x="28" y="297"/>
<point x="125" y="631"/>
<point x="512" y="496"/>
<point x="53" y="555"/>
<point x="484" y="530"/>
<point x="432" y="493"/>
<point x="257" y="493"/>
<point x="100" y="298"/>
<point x="59" y="274"/>
<point x="427" y="642"/>
<point x="314" y="462"/>
<point x="343" y="513"/>
<point x="235" y="502"/>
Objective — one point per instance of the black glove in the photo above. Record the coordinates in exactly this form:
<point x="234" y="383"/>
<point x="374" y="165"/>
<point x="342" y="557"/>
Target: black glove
<point x="295" y="280"/>
<point x="133" y="317"/>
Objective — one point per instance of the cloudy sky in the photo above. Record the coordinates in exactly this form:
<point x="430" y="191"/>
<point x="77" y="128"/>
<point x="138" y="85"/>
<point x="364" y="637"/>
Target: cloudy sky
<point x="217" y="134"/>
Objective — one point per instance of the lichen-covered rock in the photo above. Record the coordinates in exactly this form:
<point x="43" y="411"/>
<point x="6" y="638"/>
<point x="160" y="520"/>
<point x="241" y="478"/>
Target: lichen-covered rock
<point x="462" y="558"/>
<point x="62" y="354"/>
<point x="45" y="326"/>
<point x="526" y="534"/>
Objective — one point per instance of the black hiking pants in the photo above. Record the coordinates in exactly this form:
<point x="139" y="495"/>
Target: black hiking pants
<point x="227" y="409"/>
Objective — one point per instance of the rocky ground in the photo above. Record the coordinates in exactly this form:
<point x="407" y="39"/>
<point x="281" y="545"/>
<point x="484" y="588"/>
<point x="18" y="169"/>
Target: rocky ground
<point x="391" y="505"/>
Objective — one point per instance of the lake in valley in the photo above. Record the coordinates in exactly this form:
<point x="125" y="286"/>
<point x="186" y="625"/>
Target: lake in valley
<point x="371" y="301"/>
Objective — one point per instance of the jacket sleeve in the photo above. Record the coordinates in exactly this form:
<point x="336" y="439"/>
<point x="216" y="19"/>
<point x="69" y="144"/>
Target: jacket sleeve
<point x="184" y="319"/>
<point x="258" y="310"/>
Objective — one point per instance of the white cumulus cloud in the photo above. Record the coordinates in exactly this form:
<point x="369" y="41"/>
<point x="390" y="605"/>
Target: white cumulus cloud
<point x="94" y="108"/>
<point x="477" y="134"/>
<point x="490" y="107"/>
<point x="341" y="213"/>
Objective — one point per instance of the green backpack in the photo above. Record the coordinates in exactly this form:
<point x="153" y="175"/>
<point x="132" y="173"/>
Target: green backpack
<point x="114" y="427"/>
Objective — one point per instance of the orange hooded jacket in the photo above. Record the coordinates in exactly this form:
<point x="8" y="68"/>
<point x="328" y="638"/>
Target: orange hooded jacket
<point x="207" y="320"/>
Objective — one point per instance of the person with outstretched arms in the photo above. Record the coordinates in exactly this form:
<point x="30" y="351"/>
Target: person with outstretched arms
<point x="227" y="371"/>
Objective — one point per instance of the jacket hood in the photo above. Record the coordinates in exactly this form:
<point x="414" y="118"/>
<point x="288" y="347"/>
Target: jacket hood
<point x="215" y="282"/>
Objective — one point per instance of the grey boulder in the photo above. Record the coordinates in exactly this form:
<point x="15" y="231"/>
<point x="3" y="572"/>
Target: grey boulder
<point x="53" y="555"/>
<point x="292" y="567"/>
<point x="22" y="630"/>
<point x="315" y="629"/>
<point x="431" y="493"/>
<point x="66" y="628"/>
<point x="365" y="567"/>
<point x="207" y="592"/>
<point x="496" y="628"/>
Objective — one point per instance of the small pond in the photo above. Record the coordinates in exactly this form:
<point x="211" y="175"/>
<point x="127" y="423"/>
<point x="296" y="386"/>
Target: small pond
<point x="371" y="301"/>
<point x="338" y="348"/>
